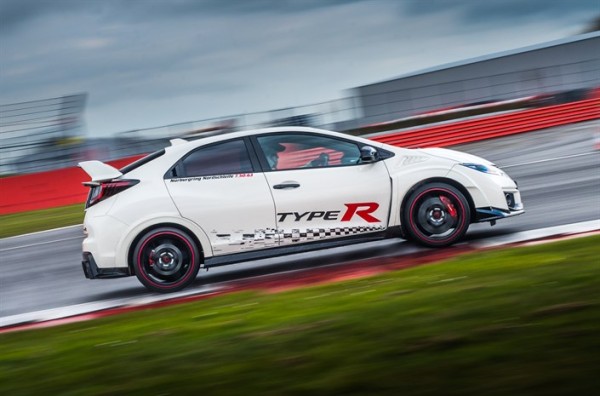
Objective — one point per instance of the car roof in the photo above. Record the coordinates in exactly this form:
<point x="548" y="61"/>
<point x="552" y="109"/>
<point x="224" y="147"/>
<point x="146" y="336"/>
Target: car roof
<point x="180" y="147"/>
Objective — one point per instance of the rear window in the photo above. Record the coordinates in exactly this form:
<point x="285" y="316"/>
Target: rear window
<point x="141" y="161"/>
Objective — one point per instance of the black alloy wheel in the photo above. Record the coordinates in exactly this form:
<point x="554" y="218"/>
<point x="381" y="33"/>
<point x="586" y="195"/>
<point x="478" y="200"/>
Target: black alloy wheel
<point x="436" y="215"/>
<point x="166" y="260"/>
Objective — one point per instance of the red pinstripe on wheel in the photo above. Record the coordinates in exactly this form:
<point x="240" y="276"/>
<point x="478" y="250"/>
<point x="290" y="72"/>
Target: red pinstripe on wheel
<point x="153" y="280"/>
<point x="455" y="204"/>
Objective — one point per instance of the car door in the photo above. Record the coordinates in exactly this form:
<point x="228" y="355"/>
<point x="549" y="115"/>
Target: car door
<point x="216" y="186"/>
<point x="320" y="187"/>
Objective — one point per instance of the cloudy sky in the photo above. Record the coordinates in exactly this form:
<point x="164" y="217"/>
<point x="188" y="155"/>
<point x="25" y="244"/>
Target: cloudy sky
<point x="148" y="63"/>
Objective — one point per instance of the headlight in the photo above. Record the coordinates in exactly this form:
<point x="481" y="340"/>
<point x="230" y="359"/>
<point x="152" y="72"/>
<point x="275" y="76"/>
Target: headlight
<point x="491" y="170"/>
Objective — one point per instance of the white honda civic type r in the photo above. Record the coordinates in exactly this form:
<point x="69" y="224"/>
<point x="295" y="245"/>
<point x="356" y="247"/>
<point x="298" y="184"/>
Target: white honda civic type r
<point x="255" y="194"/>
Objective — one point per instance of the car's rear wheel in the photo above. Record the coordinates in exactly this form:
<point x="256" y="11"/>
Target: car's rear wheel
<point x="166" y="260"/>
<point x="436" y="215"/>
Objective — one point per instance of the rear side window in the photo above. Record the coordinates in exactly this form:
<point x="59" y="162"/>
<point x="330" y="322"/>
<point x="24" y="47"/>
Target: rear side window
<point x="218" y="159"/>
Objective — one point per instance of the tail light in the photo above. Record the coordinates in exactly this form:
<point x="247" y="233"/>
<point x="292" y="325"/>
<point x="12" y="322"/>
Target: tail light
<point x="99" y="191"/>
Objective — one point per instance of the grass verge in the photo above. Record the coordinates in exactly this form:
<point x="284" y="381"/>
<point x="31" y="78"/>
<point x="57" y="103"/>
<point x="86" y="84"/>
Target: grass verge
<point x="521" y="321"/>
<point x="40" y="220"/>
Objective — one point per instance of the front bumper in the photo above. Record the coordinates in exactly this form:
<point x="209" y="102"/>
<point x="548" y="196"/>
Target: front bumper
<point x="490" y="214"/>
<point x="91" y="270"/>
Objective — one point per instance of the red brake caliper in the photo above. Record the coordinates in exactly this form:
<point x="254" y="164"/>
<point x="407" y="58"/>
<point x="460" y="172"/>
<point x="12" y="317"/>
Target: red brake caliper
<point x="449" y="206"/>
<point x="151" y="258"/>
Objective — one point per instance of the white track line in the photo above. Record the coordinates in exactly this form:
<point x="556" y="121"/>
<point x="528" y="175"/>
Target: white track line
<point x="549" y="159"/>
<point x="96" y="306"/>
<point x="88" y="308"/>
<point x="40" y="243"/>
<point x="523" y="236"/>
<point x="42" y="232"/>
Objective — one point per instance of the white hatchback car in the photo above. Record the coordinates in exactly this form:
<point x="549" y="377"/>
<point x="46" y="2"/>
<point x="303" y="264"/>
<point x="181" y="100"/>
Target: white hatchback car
<point x="255" y="194"/>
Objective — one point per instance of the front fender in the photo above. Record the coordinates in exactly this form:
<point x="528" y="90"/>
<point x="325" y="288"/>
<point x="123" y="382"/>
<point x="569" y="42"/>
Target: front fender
<point x="406" y="179"/>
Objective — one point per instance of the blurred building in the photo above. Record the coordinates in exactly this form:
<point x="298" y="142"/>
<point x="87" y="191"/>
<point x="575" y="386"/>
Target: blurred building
<point x="569" y="64"/>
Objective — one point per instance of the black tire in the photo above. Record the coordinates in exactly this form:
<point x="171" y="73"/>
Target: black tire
<point x="166" y="260"/>
<point x="436" y="215"/>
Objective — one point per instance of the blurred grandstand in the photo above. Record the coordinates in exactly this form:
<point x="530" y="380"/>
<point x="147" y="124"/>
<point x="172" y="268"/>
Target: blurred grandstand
<point x="48" y="134"/>
<point x="39" y="134"/>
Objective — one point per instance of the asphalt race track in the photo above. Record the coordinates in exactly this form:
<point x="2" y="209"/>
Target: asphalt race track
<point x="558" y="171"/>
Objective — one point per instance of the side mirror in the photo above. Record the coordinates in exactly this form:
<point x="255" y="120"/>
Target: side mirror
<point x="368" y="154"/>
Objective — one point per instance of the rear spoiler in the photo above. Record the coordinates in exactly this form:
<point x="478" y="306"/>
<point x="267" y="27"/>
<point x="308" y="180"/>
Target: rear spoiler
<point x="99" y="171"/>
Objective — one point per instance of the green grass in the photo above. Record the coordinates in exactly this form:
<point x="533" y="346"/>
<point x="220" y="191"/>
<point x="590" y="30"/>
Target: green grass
<point x="40" y="220"/>
<point x="523" y="321"/>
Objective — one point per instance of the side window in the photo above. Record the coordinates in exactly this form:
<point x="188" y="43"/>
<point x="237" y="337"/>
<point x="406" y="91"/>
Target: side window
<point x="218" y="159"/>
<point x="296" y="151"/>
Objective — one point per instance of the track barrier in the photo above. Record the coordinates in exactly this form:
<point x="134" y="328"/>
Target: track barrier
<point x="63" y="186"/>
<point x="494" y="126"/>
<point x="45" y="190"/>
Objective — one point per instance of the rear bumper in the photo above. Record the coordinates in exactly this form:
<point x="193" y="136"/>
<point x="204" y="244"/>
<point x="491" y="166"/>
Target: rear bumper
<point x="91" y="270"/>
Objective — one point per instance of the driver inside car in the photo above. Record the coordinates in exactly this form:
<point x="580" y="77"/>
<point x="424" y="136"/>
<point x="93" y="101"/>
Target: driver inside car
<point x="272" y="154"/>
<point x="321" y="160"/>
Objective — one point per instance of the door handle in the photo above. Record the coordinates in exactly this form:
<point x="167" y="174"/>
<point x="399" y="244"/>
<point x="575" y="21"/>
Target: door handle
<point x="285" y="185"/>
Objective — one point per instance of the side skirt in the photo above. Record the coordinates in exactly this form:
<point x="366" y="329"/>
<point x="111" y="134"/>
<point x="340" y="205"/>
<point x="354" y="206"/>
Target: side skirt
<point x="391" y="232"/>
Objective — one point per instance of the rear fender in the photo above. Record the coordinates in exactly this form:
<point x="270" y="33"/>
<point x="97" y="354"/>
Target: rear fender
<point x="140" y="227"/>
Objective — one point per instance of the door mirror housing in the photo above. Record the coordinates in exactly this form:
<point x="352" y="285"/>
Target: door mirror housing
<point x="368" y="155"/>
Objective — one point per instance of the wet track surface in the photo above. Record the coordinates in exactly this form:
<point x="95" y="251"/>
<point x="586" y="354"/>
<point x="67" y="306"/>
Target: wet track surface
<point x="558" y="172"/>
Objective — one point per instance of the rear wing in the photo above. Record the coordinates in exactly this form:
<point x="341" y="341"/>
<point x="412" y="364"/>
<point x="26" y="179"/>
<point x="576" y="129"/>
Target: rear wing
<point x="99" y="171"/>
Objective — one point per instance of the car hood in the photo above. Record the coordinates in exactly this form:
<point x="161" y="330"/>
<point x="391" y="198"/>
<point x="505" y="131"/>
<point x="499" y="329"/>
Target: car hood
<point x="454" y="155"/>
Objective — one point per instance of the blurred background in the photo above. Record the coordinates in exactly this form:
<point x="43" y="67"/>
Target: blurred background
<point x="113" y="79"/>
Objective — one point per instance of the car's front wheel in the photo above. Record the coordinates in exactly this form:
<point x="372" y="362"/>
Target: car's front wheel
<point x="436" y="215"/>
<point x="166" y="260"/>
